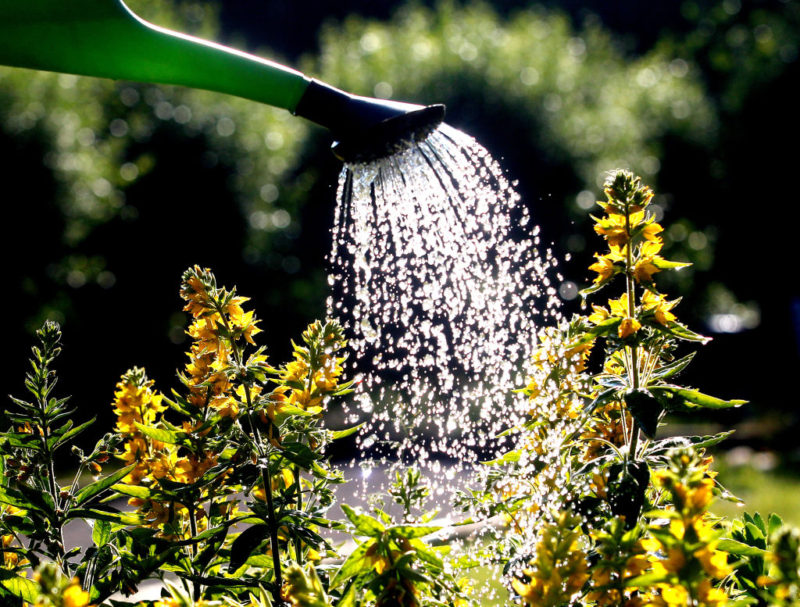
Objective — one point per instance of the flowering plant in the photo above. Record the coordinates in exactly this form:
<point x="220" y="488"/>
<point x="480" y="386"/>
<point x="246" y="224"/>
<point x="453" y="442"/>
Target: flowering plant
<point x="228" y="485"/>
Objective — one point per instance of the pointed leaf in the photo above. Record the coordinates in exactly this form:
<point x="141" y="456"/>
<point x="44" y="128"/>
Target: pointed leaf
<point x="244" y="545"/>
<point x="97" y="487"/>
<point x="21" y="587"/>
<point x="101" y="533"/>
<point x="132" y="490"/>
<point x="674" y="398"/>
<point x="353" y="564"/>
<point x="75" y="431"/>
<point x="775" y="523"/>
<point x="740" y="548"/>
<point x="337" y="434"/>
<point x="364" y="523"/>
<point x="666" y="264"/>
<point x="413" y="531"/>
<point x="673" y="368"/>
<point x="122" y="518"/>
<point x="646" y="411"/>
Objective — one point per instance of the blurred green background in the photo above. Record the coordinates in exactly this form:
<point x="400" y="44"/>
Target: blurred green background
<point x="111" y="189"/>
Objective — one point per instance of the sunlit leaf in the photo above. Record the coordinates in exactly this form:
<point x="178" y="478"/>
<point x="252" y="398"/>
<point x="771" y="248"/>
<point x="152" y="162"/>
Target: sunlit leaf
<point x="364" y="523"/>
<point x="97" y="487"/>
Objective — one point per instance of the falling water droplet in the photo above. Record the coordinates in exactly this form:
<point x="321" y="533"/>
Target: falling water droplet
<point x="436" y="259"/>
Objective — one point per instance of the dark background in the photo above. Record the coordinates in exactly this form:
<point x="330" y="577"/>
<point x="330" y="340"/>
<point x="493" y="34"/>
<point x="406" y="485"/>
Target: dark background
<point x="110" y="274"/>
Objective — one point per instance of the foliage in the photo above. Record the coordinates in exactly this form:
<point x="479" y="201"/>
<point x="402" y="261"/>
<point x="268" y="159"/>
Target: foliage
<point x="229" y="486"/>
<point x="594" y="508"/>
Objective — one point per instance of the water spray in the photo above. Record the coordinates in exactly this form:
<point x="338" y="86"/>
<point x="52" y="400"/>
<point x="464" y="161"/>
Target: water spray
<point x="104" y="38"/>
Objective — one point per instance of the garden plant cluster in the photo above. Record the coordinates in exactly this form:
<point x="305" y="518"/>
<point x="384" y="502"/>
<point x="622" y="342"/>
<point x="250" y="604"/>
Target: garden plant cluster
<point x="229" y="487"/>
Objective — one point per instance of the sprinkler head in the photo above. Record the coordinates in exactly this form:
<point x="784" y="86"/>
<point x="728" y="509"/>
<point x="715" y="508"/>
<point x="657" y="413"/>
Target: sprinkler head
<point x="367" y="129"/>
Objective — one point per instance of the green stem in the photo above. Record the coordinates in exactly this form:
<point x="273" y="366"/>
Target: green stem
<point x="634" y="350"/>
<point x="52" y="485"/>
<point x="298" y="543"/>
<point x="272" y="523"/>
<point x="193" y="529"/>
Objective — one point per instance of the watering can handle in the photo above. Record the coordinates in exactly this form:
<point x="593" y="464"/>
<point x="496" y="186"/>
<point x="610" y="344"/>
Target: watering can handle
<point x="104" y="38"/>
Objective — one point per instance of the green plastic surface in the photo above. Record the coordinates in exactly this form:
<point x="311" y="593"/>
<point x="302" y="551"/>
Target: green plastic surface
<point x="104" y="38"/>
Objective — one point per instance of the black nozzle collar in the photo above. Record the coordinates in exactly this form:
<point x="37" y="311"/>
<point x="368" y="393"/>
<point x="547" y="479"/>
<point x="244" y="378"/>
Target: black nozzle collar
<point x="366" y="128"/>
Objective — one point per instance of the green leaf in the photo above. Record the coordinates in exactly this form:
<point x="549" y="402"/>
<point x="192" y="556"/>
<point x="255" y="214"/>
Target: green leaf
<point x="775" y="523"/>
<point x="160" y="434"/>
<point x="101" y="533"/>
<point x="66" y="436"/>
<point x="122" y="518"/>
<point x="594" y="288"/>
<point x="15" y="498"/>
<point x="673" y="368"/>
<point x="412" y="531"/>
<point x="674" y="398"/>
<point x="699" y="442"/>
<point x="740" y="548"/>
<point x="132" y="490"/>
<point x="97" y="487"/>
<point x="666" y="264"/>
<point x="607" y="326"/>
<point x="23" y="440"/>
<point x="352" y="565"/>
<point x="21" y="587"/>
<point x="678" y="330"/>
<point x="244" y="545"/>
<point x="299" y="454"/>
<point x="364" y="523"/>
<point x="646" y="411"/>
<point x="337" y="434"/>
<point x="348" y="598"/>
<point x="512" y="457"/>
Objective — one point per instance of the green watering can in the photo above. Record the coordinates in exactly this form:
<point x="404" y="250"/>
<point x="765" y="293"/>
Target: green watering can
<point x="104" y="38"/>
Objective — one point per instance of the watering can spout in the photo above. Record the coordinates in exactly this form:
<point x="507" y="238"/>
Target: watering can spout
<point x="367" y="128"/>
<point x="104" y="38"/>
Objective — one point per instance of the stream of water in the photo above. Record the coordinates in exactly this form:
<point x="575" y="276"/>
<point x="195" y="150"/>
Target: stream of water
<point x="438" y="272"/>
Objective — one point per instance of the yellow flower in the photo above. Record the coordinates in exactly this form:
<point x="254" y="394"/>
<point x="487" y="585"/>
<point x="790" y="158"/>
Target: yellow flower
<point x="710" y="596"/>
<point x="604" y="268"/>
<point x="714" y="562"/>
<point x="614" y="229"/>
<point x="628" y="326"/>
<point x="190" y="469"/>
<point x="644" y="269"/>
<point x="75" y="596"/>
<point x="651" y="231"/>
<point x="659" y="306"/>
<point x="619" y="307"/>
<point x="674" y="596"/>
<point x="599" y="315"/>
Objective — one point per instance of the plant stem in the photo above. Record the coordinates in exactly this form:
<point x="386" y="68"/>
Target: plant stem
<point x="193" y="529"/>
<point x="634" y="350"/>
<point x="298" y="544"/>
<point x="266" y="479"/>
<point x="51" y="481"/>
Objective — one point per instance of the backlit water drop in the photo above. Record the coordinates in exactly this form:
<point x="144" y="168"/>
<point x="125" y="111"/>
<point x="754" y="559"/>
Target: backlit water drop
<point x="437" y="272"/>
